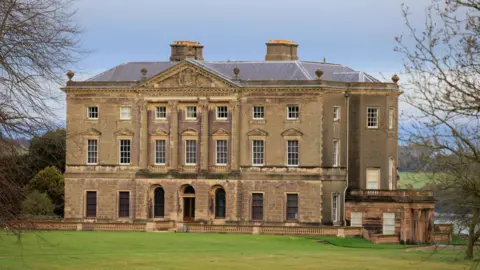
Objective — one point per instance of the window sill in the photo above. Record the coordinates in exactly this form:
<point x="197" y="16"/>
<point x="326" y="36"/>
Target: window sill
<point x="296" y="121"/>
<point x="257" y="121"/>
<point x="160" y="120"/>
<point x="92" y="164"/>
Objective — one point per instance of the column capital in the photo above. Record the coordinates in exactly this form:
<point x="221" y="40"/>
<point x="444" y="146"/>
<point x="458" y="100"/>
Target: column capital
<point x="173" y="104"/>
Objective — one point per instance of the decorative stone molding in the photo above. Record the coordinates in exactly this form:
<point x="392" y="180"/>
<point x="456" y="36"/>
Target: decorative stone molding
<point x="291" y="133"/>
<point x="92" y="132"/>
<point x="257" y="132"/>
<point x="220" y="132"/>
<point x="159" y="132"/>
<point x="124" y="132"/>
<point x="190" y="132"/>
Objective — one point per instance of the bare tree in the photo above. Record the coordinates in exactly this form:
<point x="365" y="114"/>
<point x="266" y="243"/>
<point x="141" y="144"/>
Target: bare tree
<point x="442" y="66"/>
<point x="39" y="41"/>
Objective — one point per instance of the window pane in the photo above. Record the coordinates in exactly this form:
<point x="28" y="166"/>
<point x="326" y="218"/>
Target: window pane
<point x="190" y="152"/>
<point x="257" y="206"/>
<point x="292" y="153"/>
<point x="92" y="112"/>
<point x="92" y="151"/>
<point x="222" y="112"/>
<point x="125" y="113"/>
<point x="222" y="152"/>
<point x="191" y="112"/>
<point x="390" y="118"/>
<point x="336" y="154"/>
<point x="258" y="112"/>
<point x="160" y="151"/>
<point x="372" y="117"/>
<point x="91" y="204"/>
<point x="257" y="152"/>
<point x="124" y="204"/>
<point x="293" y="111"/>
<point x="373" y="176"/>
<point x="336" y="113"/>
<point x="161" y="112"/>
<point x="124" y="151"/>
<point x="292" y="206"/>
<point x="335" y="207"/>
<point x="220" y="202"/>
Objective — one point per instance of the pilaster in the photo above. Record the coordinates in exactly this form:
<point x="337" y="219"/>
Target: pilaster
<point x="204" y="135"/>
<point x="173" y="135"/>
<point x="143" y="151"/>
<point x="235" y="153"/>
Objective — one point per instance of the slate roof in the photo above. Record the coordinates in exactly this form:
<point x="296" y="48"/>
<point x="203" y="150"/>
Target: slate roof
<point x="249" y="71"/>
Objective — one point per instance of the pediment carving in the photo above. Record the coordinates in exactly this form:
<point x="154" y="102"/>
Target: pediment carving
<point x="188" y="76"/>
<point x="92" y="132"/>
<point x="292" y="132"/>
<point x="159" y="132"/>
<point x="257" y="132"/>
<point x="190" y="132"/>
<point x="220" y="132"/>
<point x="124" y="132"/>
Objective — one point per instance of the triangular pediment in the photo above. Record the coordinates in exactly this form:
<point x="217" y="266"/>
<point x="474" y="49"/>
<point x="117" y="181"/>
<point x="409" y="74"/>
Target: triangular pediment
<point x="188" y="74"/>
<point x="220" y="132"/>
<point x="92" y="132"/>
<point x="159" y="132"/>
<point x="292" y="132"/>
<point x="257" y="132"/>
<point x="189" y="132"/>
<point x="123" y="132"/>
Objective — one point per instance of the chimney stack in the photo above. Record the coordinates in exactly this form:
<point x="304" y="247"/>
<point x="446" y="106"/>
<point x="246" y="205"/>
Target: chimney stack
<point x="278" y="50"/>
<point x="183" y="49"/>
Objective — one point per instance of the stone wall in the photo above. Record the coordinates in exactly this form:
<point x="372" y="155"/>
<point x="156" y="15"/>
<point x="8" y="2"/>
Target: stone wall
<point x="238" y="198"/>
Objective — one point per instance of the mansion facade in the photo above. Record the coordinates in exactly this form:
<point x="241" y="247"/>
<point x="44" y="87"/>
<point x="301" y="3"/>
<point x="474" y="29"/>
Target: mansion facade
<point x="274" y="142"/>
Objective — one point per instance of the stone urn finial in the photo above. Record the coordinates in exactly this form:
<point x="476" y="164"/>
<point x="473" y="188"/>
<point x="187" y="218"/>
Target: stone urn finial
<point x="395" y="78"/>
<point x="70" y="75"/>
<point x="236" y="71"/>
<point x="319" y="73"/>
<point x="144" y="73"/>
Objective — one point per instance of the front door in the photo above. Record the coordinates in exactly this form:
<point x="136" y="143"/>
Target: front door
<point x="188" y="209"/>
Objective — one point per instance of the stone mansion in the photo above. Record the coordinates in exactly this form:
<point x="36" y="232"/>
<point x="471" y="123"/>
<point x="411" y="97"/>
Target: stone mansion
<point x="281" y="142"/>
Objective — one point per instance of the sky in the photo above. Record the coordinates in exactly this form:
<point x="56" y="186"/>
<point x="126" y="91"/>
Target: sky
<point x="357" y="33"/>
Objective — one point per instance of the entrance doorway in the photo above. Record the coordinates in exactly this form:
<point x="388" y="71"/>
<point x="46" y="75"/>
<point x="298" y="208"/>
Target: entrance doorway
<point x="188" y="209"/>
<point x="189" y="203"/>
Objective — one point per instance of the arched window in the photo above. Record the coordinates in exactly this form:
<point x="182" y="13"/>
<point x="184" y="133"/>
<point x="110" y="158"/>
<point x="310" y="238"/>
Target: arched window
<point x="220" y="203"/>
<point x="159" y="207"/>
<point x="189" y="190"/>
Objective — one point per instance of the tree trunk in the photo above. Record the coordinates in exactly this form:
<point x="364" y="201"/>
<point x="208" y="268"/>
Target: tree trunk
<point x="469" y="251"/>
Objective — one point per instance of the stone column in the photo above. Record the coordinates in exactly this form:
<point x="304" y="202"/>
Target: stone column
<point x="235" y="138"/>
<point x="173" y="135"/>
<point x="143" y="151"/>
<point x="204" y="136"/>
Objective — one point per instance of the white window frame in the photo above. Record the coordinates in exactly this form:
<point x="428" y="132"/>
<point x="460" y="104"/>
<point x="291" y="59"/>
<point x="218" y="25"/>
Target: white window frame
<point x="157" y="152"/>
<point x="90" y="150"/>
<point x="336" y="153"/>
<point x="216" y="153"/>
<point x="262" y="112"/>
<point x="217" y="112"/>
<point x="336" y="113"/>
<point x="293" y="153"/>
<point x="297" y="112"/>
<point x="158" y="113"/>
<point x="391" y="116"/>
<point x="185" y="152"/>
<point x="253" y="153"/>
<point x="129" y="152"/>
<point x="388" y="228"/>
<point x="122" y="117"/>
<point x="91" y="112"/>
<point x="335" y="206"/>
<point x="376" y="118"/>
<point x="356" y="219"/>
<point x="194" y="108"/>
<point x="377" y="181"/>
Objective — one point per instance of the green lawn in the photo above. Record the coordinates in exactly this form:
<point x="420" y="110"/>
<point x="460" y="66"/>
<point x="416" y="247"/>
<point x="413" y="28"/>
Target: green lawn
<point x="120" y="250"/>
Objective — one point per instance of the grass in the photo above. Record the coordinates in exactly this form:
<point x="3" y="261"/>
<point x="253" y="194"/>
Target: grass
<point x="121" y="250"/>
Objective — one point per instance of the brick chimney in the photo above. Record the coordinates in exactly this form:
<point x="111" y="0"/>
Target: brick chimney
<point x="278" y="50"/>
<point x="183" y="49"/>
